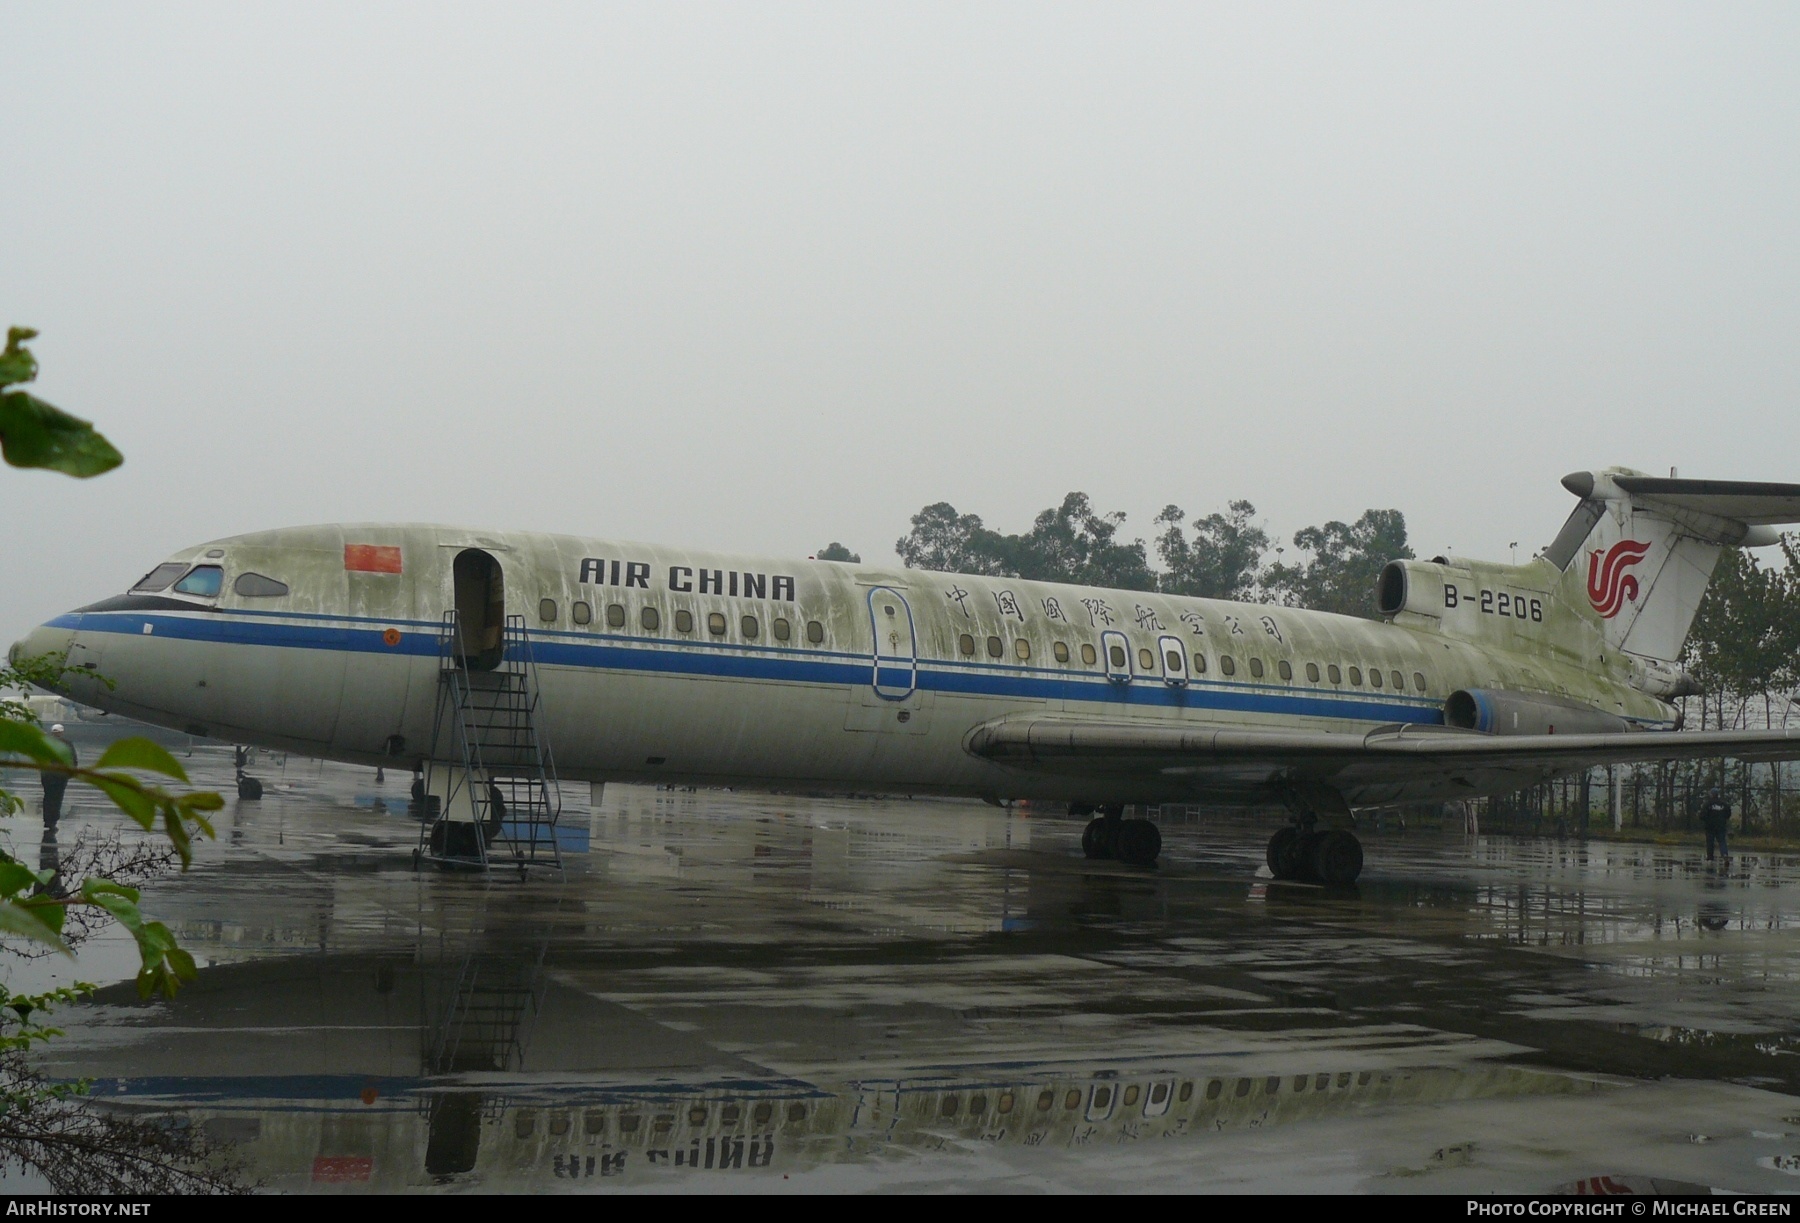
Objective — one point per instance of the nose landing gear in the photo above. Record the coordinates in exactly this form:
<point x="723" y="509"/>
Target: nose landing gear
<point x="1110" y="835"/>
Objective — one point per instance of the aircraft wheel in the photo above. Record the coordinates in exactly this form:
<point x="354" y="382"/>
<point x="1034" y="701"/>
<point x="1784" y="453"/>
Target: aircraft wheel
<point x="249" y="787"/>
<point x="1139" y="841"/>
<point x="1337" y="857"/>
<point x="1097" y="838"/>
<point x="1284" y="852"/>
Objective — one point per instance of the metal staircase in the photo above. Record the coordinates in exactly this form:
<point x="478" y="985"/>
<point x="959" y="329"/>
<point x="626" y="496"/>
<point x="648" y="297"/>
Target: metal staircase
<point x="490" y="773"/>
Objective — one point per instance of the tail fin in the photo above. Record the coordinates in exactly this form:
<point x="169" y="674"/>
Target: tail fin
<point x="1639" y="550"/>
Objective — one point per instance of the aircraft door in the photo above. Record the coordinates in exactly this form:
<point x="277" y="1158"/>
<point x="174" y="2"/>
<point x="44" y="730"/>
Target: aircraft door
<point x="1116" y="653"/>
<point x="1174" y="661"/>
<point x="478" y="591"/>
<point x="894" y="670"/>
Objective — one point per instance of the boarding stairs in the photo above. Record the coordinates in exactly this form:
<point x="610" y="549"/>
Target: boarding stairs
<point x="492" y="797"/>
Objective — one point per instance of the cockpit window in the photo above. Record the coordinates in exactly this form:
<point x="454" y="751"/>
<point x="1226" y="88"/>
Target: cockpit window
<point x="256" y="586"/>
<point x="159" y="577"/>
<point x="204" y="581"/>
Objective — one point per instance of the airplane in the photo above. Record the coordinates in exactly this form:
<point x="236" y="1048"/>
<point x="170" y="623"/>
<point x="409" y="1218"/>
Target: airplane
<point x="647" y="663"/>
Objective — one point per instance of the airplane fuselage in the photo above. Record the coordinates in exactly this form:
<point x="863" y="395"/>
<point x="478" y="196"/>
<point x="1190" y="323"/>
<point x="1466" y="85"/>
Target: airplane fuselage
<point x="668" y="665"/>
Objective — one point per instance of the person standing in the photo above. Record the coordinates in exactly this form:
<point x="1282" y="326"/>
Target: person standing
<point x="56" y="783"/>
<point x="1715" y="818"/>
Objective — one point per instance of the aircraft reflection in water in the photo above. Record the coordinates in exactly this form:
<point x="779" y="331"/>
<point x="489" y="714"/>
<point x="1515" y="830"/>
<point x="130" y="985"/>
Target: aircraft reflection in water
<point x="451" y="1101"/>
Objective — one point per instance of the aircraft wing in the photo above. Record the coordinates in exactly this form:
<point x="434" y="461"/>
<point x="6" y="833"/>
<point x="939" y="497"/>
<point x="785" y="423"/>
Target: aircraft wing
<point x="1387" y="764"/>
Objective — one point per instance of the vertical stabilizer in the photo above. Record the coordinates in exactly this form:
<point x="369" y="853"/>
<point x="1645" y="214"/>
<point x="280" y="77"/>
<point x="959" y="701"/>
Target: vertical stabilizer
<point x="1638" y="552"/>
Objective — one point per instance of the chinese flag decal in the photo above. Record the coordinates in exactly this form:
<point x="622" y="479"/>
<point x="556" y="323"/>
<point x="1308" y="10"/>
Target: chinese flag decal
<point x="371" y="558"/>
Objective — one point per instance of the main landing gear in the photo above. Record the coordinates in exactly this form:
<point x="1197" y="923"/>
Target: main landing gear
<point x="1332" y="856"/>
<point x="1110" y="835"/>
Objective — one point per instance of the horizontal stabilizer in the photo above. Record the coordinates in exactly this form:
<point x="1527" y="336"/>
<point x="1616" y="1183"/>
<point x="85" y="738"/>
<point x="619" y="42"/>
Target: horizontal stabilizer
<point x="1752" y="502"/>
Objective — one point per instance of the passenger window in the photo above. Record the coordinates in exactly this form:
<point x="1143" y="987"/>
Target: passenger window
<point x="715" y="623"/>
<point x="750" y="627"/>
<point x="779" y="628"/>
<point x="1087" y="654"/>
<point x="1312" y="672"/>
<point x="995" y="647"/>
<point x="1285" y="669"/>
<point x="1022" y="648"/>
<point x="1061" y="651"/>
<point x="1399" y="682"/>
<point x="1374" y="676"/>
<point x="581" y="612"/>
<point x="547" y="610"/>
<point x="1227" y="665"/>
<point x="159" y="578"/>
<point x="1355" y="676"/>
<point x="815" y="632"/>
<point x="256" y="586"/>
<point x="1199" y="663"/>
<point x="204" y="581"/>
<point x="965" y="645"/>
<point x="1172" y="659"/>
<point x="615" y="615"/>
<point x="1117" y="655"/>
<point x="1256" y="668"/>
<point x="1419" y="680"/>
<point x="1337" y="676"/>
<point x="684" y="621"/>
<point x="1146" y="660"/>
<point x="651" y="619"/>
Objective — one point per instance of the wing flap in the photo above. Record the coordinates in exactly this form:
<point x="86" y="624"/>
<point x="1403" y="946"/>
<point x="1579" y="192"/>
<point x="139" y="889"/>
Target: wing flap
<point x="1382" y="757"/>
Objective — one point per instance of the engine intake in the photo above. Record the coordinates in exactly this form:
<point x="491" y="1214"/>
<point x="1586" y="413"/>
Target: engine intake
<point x="1493" y="712"/>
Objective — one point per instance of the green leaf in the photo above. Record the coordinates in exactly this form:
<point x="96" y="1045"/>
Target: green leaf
<point x="127" y="794"/>
<point x="24" y="739"/>
<point x="141" y="754"/>
<point x="93" y="889"/>
<point x="35" y="434"/>
<point x="16" y="363"/>
<point x="176" y="829"/>
<point x="31" y="924"/>
<point x="51" y="910"/>
<point x="15" y="877"/>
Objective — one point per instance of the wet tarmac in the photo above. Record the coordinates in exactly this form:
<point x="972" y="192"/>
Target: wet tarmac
<point x="747" y="992"/>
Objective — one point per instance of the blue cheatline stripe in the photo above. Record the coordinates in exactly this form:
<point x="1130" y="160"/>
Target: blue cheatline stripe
<point x="782" y="664"/>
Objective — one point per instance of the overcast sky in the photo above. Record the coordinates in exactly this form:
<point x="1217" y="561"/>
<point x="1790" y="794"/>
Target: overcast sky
<point x="761" y="276"/>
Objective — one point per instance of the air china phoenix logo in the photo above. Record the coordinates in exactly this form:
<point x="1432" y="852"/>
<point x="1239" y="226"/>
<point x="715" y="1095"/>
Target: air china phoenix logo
<point x="1609" y="586"/>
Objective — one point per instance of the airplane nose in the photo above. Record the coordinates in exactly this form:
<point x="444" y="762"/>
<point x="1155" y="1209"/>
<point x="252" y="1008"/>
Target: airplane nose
<point x="44" y="639"/>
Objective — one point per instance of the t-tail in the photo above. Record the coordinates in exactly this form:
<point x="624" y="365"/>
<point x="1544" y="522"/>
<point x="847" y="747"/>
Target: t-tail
<point x="1619" y="586"/>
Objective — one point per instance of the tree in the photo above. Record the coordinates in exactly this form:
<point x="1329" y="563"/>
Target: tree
<point x="1223" y="558"/>
<point x="834" y="551"/>
<point x="1746" y="632"/>
<point x="43" y="1125"/>
<point x="1073" y="542"/>
<point x="1344" y="559"/>
<point x="943" y="540"/>
<point x="1070" y="542"/>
